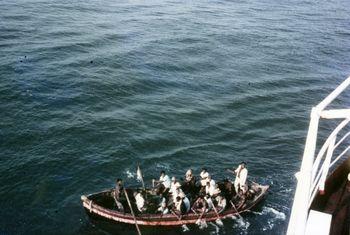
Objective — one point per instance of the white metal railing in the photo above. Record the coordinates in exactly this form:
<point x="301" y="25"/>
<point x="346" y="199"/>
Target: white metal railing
<point x="311" y="177"/>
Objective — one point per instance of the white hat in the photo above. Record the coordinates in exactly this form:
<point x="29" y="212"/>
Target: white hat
<point x="173" y="178"/>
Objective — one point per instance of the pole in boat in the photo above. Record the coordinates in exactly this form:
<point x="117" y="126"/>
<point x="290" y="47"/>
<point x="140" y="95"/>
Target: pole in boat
<point x="132" y="212"/>
<point x="140" y="177"/>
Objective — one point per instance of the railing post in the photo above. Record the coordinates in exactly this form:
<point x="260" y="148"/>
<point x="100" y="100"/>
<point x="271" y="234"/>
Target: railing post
<point x="300" y="207"/>
<point x="326" y="163"/>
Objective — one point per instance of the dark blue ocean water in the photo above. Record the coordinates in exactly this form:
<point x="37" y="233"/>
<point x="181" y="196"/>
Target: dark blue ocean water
<point x="88" y="89"/>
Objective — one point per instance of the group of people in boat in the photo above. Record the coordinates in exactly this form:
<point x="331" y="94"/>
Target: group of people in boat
<point x="189" y="194"/>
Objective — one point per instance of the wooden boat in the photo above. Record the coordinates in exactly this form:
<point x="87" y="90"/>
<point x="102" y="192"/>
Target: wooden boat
<point x="101" y="204"/>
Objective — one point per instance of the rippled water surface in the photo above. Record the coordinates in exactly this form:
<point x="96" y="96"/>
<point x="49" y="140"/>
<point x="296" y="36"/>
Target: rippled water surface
<point x="88" y="89"/>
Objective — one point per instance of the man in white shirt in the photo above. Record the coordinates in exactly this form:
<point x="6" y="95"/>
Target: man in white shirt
<point x="189" y="175"/>
<point x="172" y="185"/>
<point x="175" y="190"/>
<point x="221" y="203"/>
<point x="163" y="183"/>
<point x="163" y="206"/>
<point x="210" y="188"/>
<point x="241" y="178"/>
<point x="204" y="177"/>
<point x="164" y="179"/>
<point x="140" y="201"/>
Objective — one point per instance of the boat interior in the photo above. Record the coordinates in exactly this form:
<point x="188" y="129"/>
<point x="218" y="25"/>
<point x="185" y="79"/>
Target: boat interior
<point x="105" y="199"/>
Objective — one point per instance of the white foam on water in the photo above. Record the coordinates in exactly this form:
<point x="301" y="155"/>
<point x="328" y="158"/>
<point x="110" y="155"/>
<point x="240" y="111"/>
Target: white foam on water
<point x="271" y="211"/>
<point x="257" y="213"/>
<point x="241" y="223"/>
<point x="202" y="224"/>
<point x="273" y="216"/>
<point x="217" y="229"/>
<point x="163" y="166"/>
<point x="268" y="226"/>
<point x="129" y="174"/>
<point x="277" y="214"/>
<point x="185" y="228"/>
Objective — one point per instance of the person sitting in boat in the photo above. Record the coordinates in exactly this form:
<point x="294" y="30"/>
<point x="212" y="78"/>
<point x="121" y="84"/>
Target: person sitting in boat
<point x="176" y="190"/>
<point x="118" y="189"/>
<point x="172" y="184"/>
<point x="200" y="204"/>
<point x="189" y="177"/>
<point x="204" y="177"/>
<point x="180" y="206"/>
<point x="163" y="208"/>
<point x="189" y="185"/>
<point x="185" y="201"/>
<point x="116" y="194"/>
<point x="210" y="187"/>
<point x="209" y="202"/>
<point x="241" y="178"/>
<point x="165" y="182"/>
<point x="221" y="203"/>
<point x="140" y="202"/>
<point x="216" y="191"/>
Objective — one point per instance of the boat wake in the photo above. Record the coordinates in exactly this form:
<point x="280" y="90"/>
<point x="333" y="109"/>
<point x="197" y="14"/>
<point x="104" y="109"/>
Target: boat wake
<point x="278" y="215"/>
<point x="273" y="216"/>
<point x="240" y="223"/>
<point x="271" y="211"/>
<point x="217" y="228"/>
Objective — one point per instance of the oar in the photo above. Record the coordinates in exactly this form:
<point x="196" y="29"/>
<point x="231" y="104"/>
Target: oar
<point x="132" y="212"/>
<point x="234" y="207"/>
<point x="218" y="221"/>
<point x="199" y="220"/>
<point x="184" y="226"/>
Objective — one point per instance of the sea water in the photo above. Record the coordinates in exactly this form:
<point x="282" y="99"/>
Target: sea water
<point x="90" y="89"/>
